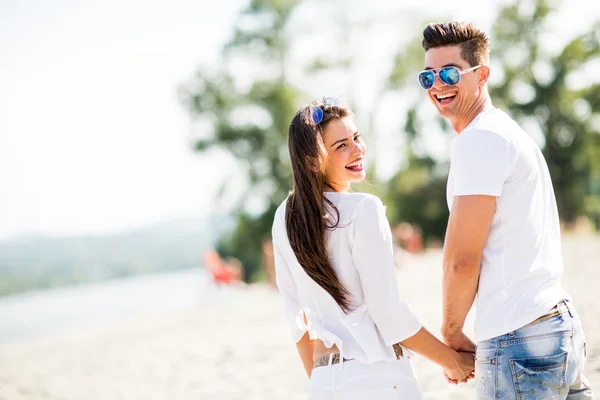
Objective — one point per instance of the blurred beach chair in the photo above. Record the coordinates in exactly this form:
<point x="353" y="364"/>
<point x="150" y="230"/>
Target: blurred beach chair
<point x="407" y="240"/>
<point x="408" y="236"/>
<point x="223" y="272"/>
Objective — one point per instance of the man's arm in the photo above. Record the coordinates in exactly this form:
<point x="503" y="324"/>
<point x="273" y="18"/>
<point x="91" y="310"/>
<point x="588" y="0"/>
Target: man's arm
<point x="468" y="229"/>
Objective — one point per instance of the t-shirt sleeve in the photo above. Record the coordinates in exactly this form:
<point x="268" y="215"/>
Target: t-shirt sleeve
<point x="289" y="292"/>
<point x="481" y="163"/>
<point x="373" y="256"/>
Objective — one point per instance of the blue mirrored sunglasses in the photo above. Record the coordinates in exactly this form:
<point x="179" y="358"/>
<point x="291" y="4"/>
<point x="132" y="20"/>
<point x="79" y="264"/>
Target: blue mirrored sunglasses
<point x="448" y="76"/>
<point x="315" y="110"/>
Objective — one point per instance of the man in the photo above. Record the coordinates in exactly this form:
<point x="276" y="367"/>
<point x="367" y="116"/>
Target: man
<point x="503" y="243"/>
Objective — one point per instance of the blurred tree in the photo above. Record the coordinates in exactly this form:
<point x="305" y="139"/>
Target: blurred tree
<point x="417" y="192"/>
<point x="250" y="123"/>
<point x="551" y="91"/>
<point x="249" y="103"/>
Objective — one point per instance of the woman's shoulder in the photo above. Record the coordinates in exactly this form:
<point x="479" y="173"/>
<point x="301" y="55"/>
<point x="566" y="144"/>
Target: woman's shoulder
<point x="368" y="198"/>
<point x="365" y="200"/>
<point x="369" y="205"/>
<point x="278" y="226"/>
<point x="350" y="204"/>
<point x="281" y="208"/>
<point x="353" y="197"/>
<point x="356" y="204"/>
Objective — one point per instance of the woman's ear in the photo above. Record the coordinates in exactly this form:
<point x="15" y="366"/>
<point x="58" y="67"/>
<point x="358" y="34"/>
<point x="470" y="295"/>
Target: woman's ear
<point x="312" y="163"/>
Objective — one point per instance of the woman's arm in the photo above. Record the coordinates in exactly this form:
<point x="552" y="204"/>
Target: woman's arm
<point x="458" y="366"/>
<point x="374" y="260"/>
<point x="306" y="349"/>
<point x="373" y="257"/>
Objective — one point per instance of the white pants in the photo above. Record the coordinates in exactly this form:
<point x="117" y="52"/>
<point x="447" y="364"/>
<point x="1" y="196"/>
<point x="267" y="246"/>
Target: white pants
<point x="352" y="380"/>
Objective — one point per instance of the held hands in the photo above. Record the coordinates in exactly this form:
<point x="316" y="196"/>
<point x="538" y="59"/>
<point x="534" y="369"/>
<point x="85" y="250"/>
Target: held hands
<point x="465" y="364"/>
<point x="462" y="370"/>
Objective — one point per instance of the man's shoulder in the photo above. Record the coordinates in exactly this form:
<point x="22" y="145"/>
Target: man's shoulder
<point x="491" y="130"/>
<point x="493" y="123"/>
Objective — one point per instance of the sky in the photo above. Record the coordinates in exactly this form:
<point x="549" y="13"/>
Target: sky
<point x="93" y="138"/>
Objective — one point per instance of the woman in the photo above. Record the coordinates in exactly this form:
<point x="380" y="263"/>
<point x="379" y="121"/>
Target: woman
<point x="334" y="268"/>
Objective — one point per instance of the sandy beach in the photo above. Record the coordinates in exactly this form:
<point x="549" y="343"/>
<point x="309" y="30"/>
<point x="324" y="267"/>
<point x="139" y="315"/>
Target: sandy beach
<point x="235" y="344"/>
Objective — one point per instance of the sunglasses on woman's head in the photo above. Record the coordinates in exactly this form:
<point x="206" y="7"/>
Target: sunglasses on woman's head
<point x="448" y="76"/>
<point x="316" y="112"/>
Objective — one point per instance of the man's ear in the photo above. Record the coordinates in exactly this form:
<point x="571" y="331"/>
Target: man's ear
<point x="484" y="74"/>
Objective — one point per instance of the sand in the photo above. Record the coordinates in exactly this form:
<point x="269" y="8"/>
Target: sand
<point x="235" y="344"/>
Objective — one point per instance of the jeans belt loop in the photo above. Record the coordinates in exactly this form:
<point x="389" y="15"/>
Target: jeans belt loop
<point x="563" y="308"/>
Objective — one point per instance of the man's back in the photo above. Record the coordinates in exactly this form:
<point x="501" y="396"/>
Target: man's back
<point x="521" y="265"/>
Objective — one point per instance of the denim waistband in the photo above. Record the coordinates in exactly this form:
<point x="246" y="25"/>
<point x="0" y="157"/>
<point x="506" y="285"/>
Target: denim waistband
<point x="561" y="308"/>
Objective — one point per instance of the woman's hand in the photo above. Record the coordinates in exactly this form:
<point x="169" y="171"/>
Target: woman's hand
<point x="462" y="369"/>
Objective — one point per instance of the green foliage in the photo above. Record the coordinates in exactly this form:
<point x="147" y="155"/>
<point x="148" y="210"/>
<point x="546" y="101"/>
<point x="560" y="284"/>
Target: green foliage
<point x="251" y="124"/>
<point x="417" y="193"/>
<point x="249" y="114"/>
<point x="536" y="88"/>
<point x="245" y="242"/>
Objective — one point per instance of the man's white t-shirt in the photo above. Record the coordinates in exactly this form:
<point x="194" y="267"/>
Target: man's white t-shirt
<point x="522" y="266"/>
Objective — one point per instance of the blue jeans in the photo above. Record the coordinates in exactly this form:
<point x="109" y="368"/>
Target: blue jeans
<point x="542" y="360"/>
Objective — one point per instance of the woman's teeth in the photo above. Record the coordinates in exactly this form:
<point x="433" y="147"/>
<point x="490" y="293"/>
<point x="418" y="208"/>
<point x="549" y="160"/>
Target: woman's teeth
<point x="354" y="166"/>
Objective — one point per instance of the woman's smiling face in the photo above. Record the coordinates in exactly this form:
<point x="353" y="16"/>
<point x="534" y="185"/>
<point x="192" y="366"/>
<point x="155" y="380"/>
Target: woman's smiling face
<point x="345" y="154"/>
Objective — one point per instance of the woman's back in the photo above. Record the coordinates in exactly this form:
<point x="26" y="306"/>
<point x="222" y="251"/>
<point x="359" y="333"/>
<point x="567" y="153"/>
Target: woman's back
<point x="360" y="252"/>
<point x="334" y="267"/>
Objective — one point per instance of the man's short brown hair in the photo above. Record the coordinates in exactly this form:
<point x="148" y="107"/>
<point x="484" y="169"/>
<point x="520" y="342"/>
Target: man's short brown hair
<point x="474" y="43"/>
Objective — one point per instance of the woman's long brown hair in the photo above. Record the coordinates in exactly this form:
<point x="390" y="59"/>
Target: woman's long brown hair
<point x="309" y="214"/>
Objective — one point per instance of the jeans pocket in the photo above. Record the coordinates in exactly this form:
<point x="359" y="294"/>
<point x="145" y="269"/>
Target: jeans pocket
<point x="539" y="377"/>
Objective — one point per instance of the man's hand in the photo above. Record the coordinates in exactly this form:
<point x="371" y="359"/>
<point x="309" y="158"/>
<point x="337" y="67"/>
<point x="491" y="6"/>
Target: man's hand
<point x="459" y="342"/>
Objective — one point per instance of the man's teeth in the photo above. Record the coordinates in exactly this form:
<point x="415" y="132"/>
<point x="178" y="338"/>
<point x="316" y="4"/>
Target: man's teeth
<point x="445" y="96"/>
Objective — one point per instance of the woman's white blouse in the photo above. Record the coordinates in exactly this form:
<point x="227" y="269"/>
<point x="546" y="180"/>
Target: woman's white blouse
<point x="360" y="251"/>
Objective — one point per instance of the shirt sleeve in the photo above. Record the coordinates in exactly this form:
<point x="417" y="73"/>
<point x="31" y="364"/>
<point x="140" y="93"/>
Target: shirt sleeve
<point x="289" y="291"/>
<point x="373" y="256"/>
<point x="481" y="163"/>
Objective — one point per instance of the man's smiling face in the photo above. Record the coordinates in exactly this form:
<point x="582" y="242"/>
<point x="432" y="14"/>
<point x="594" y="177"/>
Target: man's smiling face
<point x="456" y="100"/>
